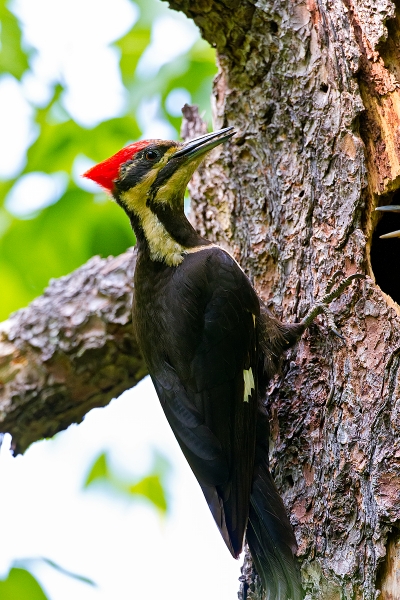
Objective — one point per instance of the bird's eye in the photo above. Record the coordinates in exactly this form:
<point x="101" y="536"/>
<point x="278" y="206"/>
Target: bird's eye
<point x="151" y="155"/>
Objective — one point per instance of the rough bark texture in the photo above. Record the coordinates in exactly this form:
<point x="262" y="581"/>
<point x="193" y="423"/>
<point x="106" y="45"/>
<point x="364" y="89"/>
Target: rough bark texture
<point x="312" y="88"/>
<point x="72" y="349"/>
<point x="292" y="197"/>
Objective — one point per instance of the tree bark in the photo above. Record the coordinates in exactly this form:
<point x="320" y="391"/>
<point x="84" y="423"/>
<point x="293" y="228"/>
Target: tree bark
<point x="71" y="350"/>
<point x="312" y="89"/>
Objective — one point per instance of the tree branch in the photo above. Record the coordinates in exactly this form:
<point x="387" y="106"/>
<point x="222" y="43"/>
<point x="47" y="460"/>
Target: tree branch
<point x="70" y="350"/>
<point x="73" y="348"/>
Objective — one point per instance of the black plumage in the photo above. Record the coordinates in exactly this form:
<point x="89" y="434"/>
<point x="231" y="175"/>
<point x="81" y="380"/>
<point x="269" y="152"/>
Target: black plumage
<point x="211" y="347"/>
<point x="199" y="329"/>
<point x="197" y="335"/>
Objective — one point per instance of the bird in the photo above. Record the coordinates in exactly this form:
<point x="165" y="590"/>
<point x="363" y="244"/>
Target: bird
<point x="211" y="346"/>
<point x="390" y="208"/>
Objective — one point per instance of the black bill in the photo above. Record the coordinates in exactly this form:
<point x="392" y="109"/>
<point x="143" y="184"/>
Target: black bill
<point x="205" y="143"/>
<point x="391" y="208"/>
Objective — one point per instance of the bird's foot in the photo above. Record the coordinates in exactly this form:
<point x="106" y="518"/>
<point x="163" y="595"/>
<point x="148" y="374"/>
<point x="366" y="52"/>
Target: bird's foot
<point x="332" y="281"/>
<point x="322" y="306"/>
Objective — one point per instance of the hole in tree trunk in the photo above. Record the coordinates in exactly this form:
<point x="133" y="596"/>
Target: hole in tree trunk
<point x="385" y="254"/>
<point x="289" y="480"/>
<point x="388" y="581"/>
<point x="273" y="26"/>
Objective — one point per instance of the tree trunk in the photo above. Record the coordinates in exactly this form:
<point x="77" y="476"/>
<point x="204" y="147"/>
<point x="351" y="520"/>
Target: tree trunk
<point x="311" y="88"/>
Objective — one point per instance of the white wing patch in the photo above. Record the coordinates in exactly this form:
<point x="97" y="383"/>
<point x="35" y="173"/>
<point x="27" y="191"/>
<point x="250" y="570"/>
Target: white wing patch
<point x="248" y="384"/>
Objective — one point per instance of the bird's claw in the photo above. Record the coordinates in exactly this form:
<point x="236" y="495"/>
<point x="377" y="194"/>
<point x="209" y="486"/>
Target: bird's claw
<point x="332" y="281"/>
<point x="332" y="295"/>
<point x="330" y="322"/>
<point x="321" y="307"/>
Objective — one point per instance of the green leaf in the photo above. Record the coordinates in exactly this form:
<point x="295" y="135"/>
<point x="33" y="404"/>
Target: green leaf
<point x="14" y="293"/>
<point x="99" y="470"/>
<point x="58" y="240"/>
<point x="132" y="46"/>
<point x="21" y="585"/>
<point x="59" y="143"/>
<point x="193" y="71"/>
<point x="150" y="487"/>
<point x="13" y="59"/>
<point x="24" y="564"/>
<point x="150" y="10"/>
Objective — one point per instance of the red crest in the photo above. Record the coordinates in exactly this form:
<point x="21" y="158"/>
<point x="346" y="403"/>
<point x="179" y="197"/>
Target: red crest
<point x="106" y="172"/>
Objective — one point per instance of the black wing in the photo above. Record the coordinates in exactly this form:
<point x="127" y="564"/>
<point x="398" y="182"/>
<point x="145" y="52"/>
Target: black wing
<point x="209" y="342"/>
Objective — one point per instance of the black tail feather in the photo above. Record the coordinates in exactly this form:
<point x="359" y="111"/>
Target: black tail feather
<point x="271" y="541"/>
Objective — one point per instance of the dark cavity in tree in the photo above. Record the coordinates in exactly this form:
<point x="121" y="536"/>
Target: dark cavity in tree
<point x="385" y="254"/>
<point x="387" y="571"/>
<point x="273" y="26"/>
<point x="269" y="114"/>
<point x="289" y="480"/>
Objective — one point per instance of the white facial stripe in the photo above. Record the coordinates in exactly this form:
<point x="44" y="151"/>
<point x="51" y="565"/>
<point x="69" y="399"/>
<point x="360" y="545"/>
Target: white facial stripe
<point x="161" y="244"/>
<point x="136" y="197"/>
<point x="141" y="189"/>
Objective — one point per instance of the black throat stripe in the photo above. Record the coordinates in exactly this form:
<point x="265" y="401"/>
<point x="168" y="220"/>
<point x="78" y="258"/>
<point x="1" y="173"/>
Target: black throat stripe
<point x="176" y="224"/>
<point x="163" y="175"/>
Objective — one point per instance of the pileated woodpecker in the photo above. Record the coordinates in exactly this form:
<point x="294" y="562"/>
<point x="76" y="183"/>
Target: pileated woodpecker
<point x="210" y="346"/>
<point x="390" y="208"/>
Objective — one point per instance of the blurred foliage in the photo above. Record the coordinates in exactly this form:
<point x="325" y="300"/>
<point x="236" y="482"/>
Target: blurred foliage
<point x="12" y="58"/>
<point x="151" y="487"/>
<point x="20" y="584"/>
<point x="57" y="239"/>
<point x="57" y="567"/>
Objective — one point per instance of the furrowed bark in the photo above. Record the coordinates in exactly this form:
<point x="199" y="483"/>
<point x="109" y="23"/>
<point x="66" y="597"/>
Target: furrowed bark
<point x="69" y="351"/>
<point x="312" y="89"/>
